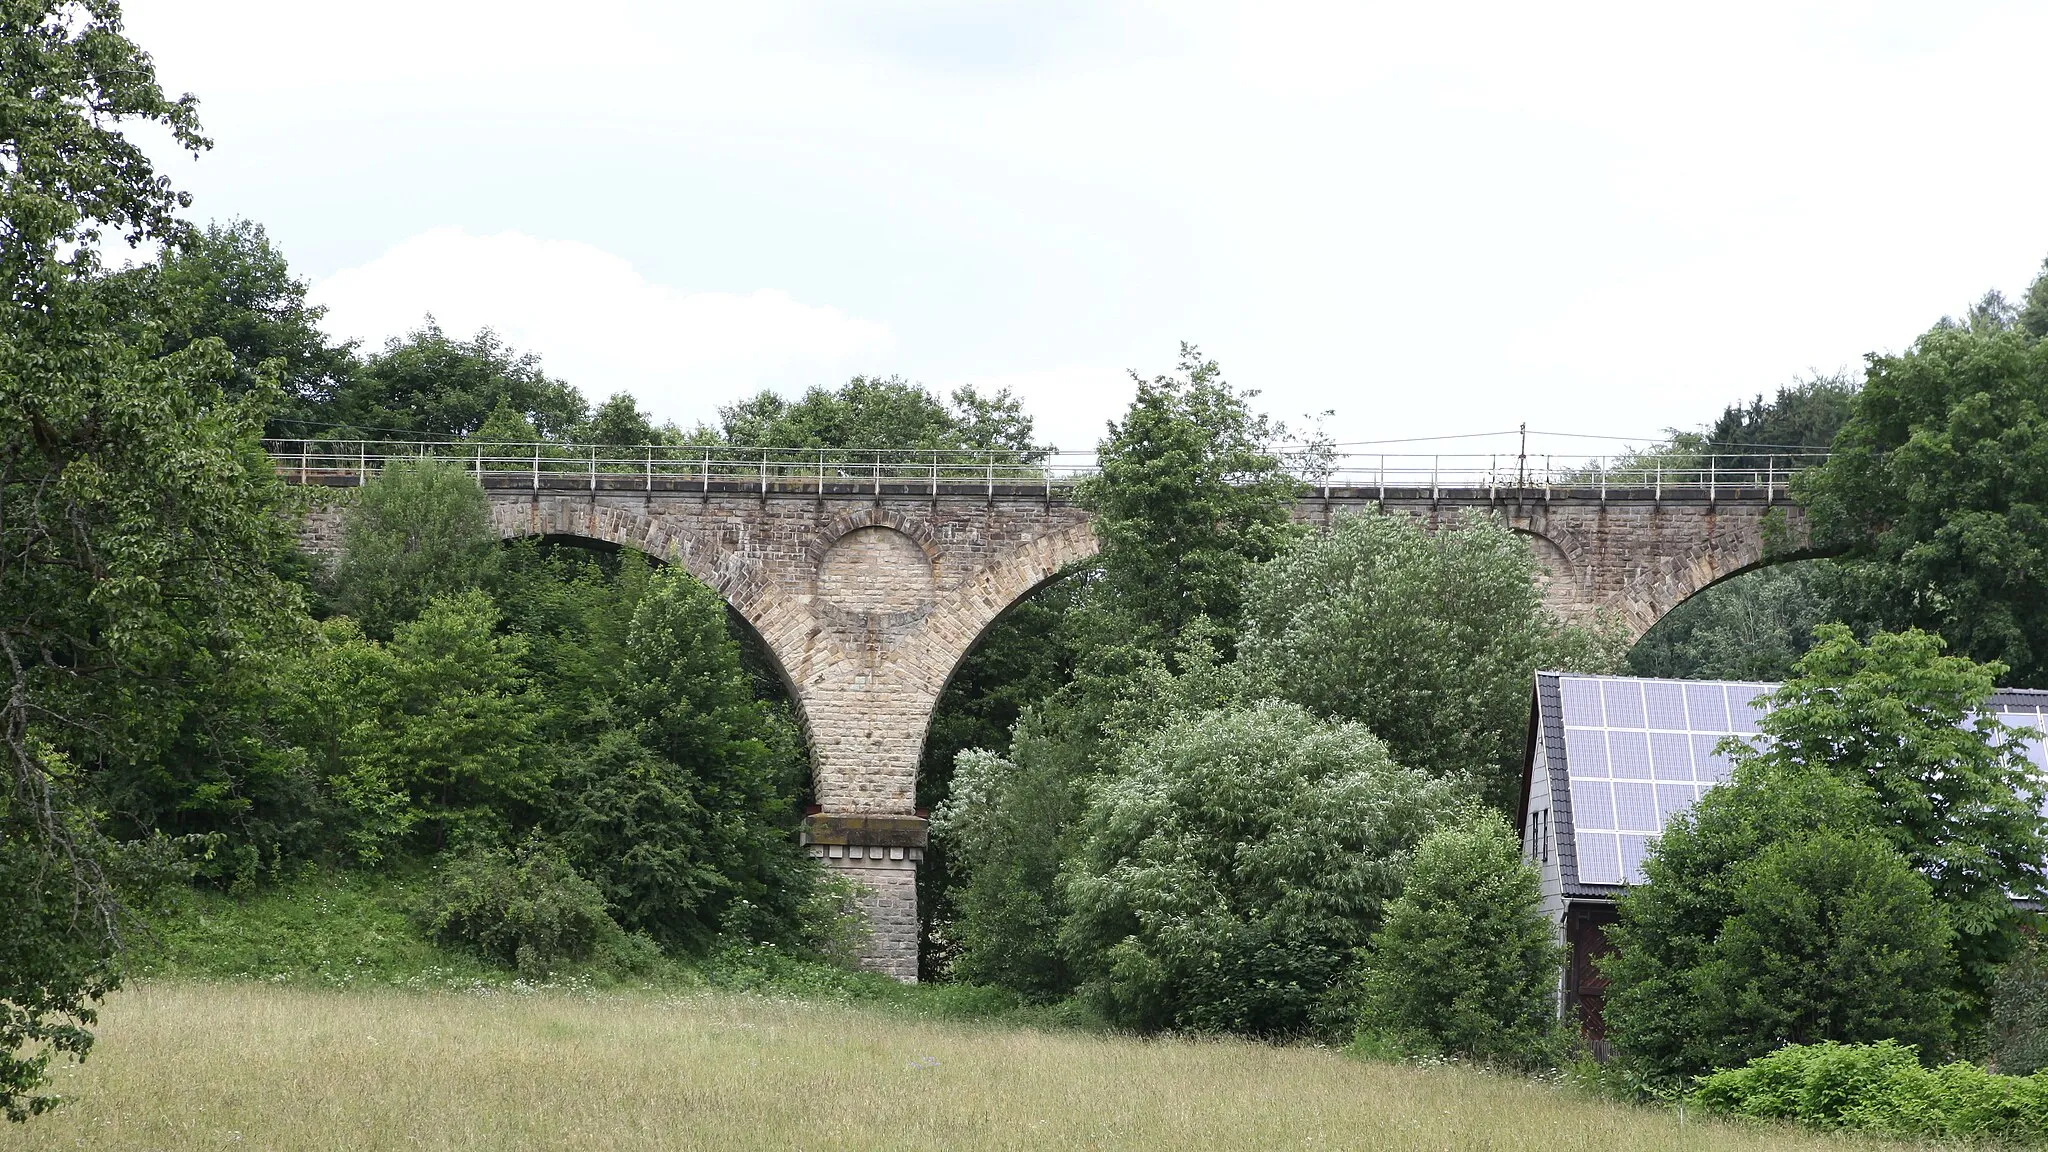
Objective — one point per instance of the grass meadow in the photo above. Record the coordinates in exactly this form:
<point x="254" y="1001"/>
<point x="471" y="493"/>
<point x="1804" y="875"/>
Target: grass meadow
<point x="246" y="1064"/>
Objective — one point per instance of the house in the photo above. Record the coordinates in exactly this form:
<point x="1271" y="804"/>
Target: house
<point x="1609" y="760"/>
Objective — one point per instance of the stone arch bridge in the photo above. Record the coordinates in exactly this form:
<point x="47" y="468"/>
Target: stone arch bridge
<point x="869" y="594"/>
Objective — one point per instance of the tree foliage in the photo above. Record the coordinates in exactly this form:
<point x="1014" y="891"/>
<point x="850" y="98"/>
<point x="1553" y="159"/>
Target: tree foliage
<point x="872" y="412"/>
<point x="1953" y="790"/>
<point x="1935" y="494"/>
<point x="434" y="386"/>
<point x="689" y="827"/>
<point x="230" y="283"/>
<point x="1003" y="828"/>
<point x="2019" y="1012"/>
<point x="1426" y="636"/>
<point x="137" y="515"/>
<point x="1466" y="963"/>
<point x="1803" y="417"/>
<point x="1773" y="912"/>
<point x="429" y="735"/>
<point x="1227" y="874"/>
<point x="1190" y="494"/>
<point x="1753" y="627"/>
<point x="420" y="529"/>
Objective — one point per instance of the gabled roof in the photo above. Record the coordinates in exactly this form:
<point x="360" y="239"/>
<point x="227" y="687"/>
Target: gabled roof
<point x="1624" y="754"/>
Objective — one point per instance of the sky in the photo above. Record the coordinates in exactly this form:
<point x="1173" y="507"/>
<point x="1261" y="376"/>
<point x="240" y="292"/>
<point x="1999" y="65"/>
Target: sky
<point x="1428" y="220"/>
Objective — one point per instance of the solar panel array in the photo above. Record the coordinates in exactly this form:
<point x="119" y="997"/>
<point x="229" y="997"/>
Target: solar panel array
<point x="1638" y="752"/>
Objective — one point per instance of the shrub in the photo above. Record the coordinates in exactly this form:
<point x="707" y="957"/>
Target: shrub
<point x="1227" y="874"/>
<point x="1427" y="636"/>
<point x="1001" y="827"/>
<point x="683" y="808"/>
<point x="1466" y="963"/>
<point x="2019" y="1013"/>
<point x="528" y="908"/>
<point x="1774" y="912"/>
<point x="1953" y="790"/>
<point x="1881" y="1088"/>
<point x="419" y="530"/>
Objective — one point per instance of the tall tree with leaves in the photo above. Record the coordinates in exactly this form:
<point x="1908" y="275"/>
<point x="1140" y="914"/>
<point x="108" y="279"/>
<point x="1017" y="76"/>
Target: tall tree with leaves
<point x="419" y="530"/>
<point x="229" y="282"/>
<point x="1190" y="494"/>
<point x="875" y="412"/>
<point x="1937" y="493"/>
<point x="1953" y="790"/>
<point x="1774" y="912"/>
<point x="1426" y="636"/>
<point x="435" y="386"/>
<point x="137" y="511"/>
<point x="1802" y="418"/>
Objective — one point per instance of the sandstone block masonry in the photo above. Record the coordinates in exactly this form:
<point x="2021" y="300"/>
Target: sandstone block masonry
<point x="868" y="601"/>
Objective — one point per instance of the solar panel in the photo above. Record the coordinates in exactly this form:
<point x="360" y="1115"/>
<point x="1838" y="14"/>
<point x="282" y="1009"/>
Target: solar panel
<point x="1639" y="752"/>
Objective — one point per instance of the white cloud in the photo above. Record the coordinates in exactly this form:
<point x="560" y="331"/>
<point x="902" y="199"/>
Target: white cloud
<point x="1603" y="217"/>
<point x="1071" y="405"/>
<point x="597" y="322"/>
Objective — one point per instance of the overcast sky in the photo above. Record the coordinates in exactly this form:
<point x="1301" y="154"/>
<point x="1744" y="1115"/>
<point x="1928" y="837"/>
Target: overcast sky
<point x="1433" y="218"/>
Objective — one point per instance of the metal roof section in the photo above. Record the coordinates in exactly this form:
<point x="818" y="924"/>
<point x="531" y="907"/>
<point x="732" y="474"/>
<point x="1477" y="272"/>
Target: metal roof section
<point x="1625" y="753"/>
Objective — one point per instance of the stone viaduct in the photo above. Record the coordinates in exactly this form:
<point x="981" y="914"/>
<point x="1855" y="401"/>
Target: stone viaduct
<point x="869" y="596"/>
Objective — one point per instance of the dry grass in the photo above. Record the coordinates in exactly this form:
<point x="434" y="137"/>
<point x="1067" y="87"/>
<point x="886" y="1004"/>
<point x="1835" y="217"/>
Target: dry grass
<point x="206" y="1066"/>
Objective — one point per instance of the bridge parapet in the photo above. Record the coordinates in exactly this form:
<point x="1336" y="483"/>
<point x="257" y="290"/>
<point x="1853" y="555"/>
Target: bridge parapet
<point x="936" y="472"/>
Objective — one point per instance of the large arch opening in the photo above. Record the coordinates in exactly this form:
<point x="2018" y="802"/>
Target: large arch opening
<point x="1018" y="659"/>
<point x="1750" y="625"/>
<point x="566" y="575"/>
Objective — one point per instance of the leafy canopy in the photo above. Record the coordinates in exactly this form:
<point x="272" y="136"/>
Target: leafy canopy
<point x="1426" y="636"/>
<point x="1753" y="627"/>
<point x="1773" y="912"/>
<point x="138" y="519"/>
<point x="420" y="529"/>
<point x="1228" y="872"/>
<point x="1190" y="494"/>
<point x="1936" y="489"/>
<point x="432" y="385"/>
<point x="1953" y="791"/>
<point x="871" y="412"/>
<point x="229" y="282"/>
<point x="1466" y="963"/>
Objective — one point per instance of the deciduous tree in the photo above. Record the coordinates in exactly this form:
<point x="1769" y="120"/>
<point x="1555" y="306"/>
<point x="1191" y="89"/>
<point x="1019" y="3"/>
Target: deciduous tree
<point x="1775" y="912"/>
<point x="1953" y="791"/>
<point x="1229" y="870"/>
<point x="138" y="517"/>
<point x="1466" y="962"/>
<point x="1936" y="490"/>
<point x="1426" y="636"/>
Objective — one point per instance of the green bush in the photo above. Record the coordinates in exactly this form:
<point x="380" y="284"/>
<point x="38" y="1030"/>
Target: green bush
<point x="2019" y="1013"/>
<point x="528" y="908"/>
<point x="1226" y="876"/>
<point x="1428" y="636"/>
<point x="421" y="529"/>
<point x="682" y="806"/>
<point x="1881" y="1088"/>
<point x="1466" y="963"/>
<point x="1774" y="913"/>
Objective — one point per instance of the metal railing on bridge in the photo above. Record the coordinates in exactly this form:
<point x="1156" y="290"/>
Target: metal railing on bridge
<point x="725" y="468"/>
